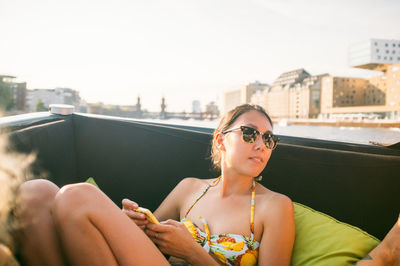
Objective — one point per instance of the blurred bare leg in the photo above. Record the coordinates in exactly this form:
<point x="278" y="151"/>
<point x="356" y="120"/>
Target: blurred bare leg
<point x="6" y="257"/>
<point x="387" y="253"/>
<point x="37" y="237"/>
<point x="94" y="231"/>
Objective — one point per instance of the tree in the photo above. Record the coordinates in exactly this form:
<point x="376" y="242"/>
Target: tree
<point x="6" y="96"/>
<point x="39" y="107"/>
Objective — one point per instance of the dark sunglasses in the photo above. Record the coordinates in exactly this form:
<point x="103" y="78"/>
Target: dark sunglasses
<point x="250" y="135"/>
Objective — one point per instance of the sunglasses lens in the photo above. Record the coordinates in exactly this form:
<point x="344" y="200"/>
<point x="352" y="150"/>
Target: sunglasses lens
<point x="249" y="134"/>
<point x="270" y="141"/>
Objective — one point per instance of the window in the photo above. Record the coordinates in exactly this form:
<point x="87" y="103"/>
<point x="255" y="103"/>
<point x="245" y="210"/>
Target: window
<point x="379" y="57"/>
<point x="385" y="58"/>
<point x="386" y="45"/>
<point x="376" y="44"/>
<point x="377" y="50"/>
<point x="394" y="45"/>
<point x="387" y="51"/>
<point x="390" y="58"/>
<point x="393" y="52"/>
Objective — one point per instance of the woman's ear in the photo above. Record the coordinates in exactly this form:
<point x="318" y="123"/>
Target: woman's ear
<point x="219" y="138"/>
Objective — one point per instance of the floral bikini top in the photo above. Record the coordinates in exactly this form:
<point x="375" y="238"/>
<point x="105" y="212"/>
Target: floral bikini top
<point x="230" y="249"/>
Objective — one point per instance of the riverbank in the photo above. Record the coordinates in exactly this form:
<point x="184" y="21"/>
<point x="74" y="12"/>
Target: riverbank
<point x="333" y="123"/>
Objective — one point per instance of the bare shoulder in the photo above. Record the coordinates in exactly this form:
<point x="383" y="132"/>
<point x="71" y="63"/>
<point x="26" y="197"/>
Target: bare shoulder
<point x="171" y="206"/>
<point x="191" y="184"/>
<point x="274" y="204"/>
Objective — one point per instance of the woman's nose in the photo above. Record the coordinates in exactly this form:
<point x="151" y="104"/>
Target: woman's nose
<point x="259" y="143"/>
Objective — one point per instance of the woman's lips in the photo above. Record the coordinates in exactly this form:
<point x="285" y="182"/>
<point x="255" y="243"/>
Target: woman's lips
<point x="256" y="159"/>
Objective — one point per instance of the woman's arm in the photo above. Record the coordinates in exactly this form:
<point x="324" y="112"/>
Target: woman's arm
<point x="387" y="252"/>
<point x="279" y="230"/>
<point x="173" y="238"/>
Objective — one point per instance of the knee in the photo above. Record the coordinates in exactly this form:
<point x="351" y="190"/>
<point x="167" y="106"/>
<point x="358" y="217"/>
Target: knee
<point x="35" y="194"/>
<point x="73" y="202"/>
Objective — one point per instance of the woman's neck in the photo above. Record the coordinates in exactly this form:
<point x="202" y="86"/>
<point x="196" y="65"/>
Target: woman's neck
<point x="233" y="183"/>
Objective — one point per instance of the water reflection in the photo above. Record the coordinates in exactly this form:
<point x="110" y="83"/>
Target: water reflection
<point x="345" y="134"/>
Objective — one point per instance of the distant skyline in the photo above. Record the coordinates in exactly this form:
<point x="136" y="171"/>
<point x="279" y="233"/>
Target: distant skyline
<point x="115" y="51"/>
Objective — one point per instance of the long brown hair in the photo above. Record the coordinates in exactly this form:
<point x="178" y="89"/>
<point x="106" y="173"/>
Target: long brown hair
<point x="13" y="171"/>
<point x="226" y="121"/>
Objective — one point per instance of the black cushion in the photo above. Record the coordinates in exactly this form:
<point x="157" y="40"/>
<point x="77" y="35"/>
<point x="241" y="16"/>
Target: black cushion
<point x="357" y="184"/>
<point x="54" y="145"/>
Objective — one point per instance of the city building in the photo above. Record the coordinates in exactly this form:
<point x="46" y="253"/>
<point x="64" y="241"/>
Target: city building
<point x="377" y="95"/>
<point x="231" y="99"/>
<point x="283" y="96"/>
<point x="18" y="91"/>
<point x="305" y="97"/>
<point x="20" y="96"/>
<point x="260" y="97"/>
<point x="212" y="111"/>
<point x="374" y="54"/>
<point x="288" y="79"/>
<point x="196" y="107"/>
<point x="242" y="94"/>
<point x="52" y="96"/>
<point x="294" y="94"/>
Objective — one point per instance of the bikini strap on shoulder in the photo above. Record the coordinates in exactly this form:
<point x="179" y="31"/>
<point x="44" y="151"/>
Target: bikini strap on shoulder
<point x="253" y="195"/>
<point x="215" y="182"/>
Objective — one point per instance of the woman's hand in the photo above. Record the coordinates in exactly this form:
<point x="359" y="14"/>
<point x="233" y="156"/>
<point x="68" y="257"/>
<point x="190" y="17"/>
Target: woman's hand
<point x="128" y="208"/>
<point x="172" y="238"/>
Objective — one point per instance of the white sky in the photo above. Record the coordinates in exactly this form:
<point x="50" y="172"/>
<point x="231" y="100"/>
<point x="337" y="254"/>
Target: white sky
<point x="115" y="50"/>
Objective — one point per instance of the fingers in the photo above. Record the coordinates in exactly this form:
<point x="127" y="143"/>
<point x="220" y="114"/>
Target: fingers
<point x="134" y="215"/>
<point x="128" y="208"/>
<point x="129" y="205"/>
<point x="162" y="227"/>
<point x="139" y="218"/>
<point x="152" y="234"/>
<point x="156" y="237"/>
<point x="171" y="222"/>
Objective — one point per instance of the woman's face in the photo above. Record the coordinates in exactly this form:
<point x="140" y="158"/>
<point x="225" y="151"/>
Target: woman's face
<point x="242" y="157"/>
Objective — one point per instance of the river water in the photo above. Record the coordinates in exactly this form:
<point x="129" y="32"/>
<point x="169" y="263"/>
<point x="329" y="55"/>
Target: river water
<point x="344" y="134"/>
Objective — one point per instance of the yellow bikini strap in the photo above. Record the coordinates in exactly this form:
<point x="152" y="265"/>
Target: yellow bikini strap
<point x="253" y="196"/>
<point x="202" y="194"/>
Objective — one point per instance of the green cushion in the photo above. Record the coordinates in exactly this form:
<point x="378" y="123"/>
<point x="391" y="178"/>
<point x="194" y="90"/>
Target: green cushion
<point x="322" y="240"/>
<point x="90" y="180"/>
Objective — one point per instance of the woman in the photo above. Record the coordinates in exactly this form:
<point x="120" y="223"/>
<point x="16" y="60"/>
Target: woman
<point x="243" y="222"/>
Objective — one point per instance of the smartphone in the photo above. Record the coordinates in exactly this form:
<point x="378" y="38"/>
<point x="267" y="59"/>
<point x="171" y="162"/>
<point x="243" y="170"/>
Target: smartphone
<point x="149" y="215"/>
